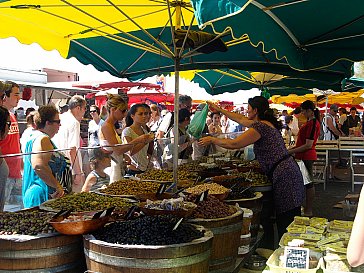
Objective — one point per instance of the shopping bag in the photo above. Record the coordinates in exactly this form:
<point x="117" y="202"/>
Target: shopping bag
<point x="198" y="122"/>
<point x="304" y="171"/>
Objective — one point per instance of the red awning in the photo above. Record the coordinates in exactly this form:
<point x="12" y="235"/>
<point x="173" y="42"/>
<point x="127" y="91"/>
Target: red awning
<point x="121" y="85"/>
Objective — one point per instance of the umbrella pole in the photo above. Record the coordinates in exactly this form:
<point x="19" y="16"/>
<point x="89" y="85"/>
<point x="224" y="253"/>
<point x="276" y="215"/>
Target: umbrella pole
<point x="175" y="129"/>
<point x="326" y="104"/>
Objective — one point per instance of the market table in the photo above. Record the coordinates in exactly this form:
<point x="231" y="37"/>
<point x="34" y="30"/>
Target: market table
<point x="352" y="146"/>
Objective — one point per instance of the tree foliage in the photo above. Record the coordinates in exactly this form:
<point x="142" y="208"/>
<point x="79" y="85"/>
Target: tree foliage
<point x="359" y="70"/>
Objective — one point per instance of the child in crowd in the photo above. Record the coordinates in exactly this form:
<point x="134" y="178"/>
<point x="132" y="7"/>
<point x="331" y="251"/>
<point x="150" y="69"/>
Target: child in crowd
<point x="100" y="159"/>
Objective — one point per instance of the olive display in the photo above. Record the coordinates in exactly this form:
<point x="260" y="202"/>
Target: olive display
<point x="149" y="230"/>
<point x="163" y="175"/>
<point x="193" y="166"/>
<point x="251" y="164"/>
<point x="240" y="192"/>
<point x="257" y="179"/>
<point x="25" y="223"/>
<point x="130" y="187"/>
<point x="88" y="201"/>
<point x="211" y="208"/>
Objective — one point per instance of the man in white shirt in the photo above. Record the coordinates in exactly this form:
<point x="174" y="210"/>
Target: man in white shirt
<point x="185" y="102"/>
<point x="69" y="136"/>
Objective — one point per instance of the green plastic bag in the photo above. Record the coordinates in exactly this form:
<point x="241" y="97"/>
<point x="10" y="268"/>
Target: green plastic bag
<point x="198" y="122"/>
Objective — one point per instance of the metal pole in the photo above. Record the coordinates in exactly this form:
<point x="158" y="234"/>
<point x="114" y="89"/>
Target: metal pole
<point x="326" y="104"/>
<point x="175" y="129"/>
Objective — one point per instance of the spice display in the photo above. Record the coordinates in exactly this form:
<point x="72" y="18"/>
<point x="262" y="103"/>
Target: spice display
<point x="170" y="204"/>
<point x="213" y="188"/>
<point x="211" y="208"/>
<point x="163" y="175"/>
<point x="25" y="223"/>
<point x="149" y="230"/>
<point x="130" y="187"/>
<point x="88" y="201"/>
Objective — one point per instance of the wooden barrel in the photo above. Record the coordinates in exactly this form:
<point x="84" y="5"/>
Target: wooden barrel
<point x="256" y="205"/>
<point x="57" y="253"/>
<point x="182" y="258"/>
<point x="226" y="240"/>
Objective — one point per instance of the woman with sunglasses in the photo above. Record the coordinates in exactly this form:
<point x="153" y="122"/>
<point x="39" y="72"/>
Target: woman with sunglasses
<point x="45" y="173"/>
<point x="117" y="108"/>
<point x="136" y="122"/>
<point x="4" y="170"/>
<point x="270" y="150"/>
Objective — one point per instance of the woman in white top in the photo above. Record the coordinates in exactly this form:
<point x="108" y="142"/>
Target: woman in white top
<point x="117" y="107"/>
<point x="94" y="126"/>
<point x="215" y="126"/>
<point x="155" y="119"/>
<point x="136" y="121"/>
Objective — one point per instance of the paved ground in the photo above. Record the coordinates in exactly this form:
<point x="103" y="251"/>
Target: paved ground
<point x="326" y="200"/>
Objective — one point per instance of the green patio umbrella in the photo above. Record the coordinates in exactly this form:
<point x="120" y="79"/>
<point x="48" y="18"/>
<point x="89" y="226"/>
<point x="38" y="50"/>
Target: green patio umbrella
<point x="308" y="34"/>
<point x="353" y="82"/>
<point x="135" y="39"/>
<point x="217" y="81"/>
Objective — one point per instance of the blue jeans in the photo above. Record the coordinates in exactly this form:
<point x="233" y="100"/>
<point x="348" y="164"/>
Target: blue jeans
<point x="4" y="173"/>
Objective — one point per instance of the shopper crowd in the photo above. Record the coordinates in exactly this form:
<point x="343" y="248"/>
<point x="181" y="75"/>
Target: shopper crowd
<point x="123" y="141"/>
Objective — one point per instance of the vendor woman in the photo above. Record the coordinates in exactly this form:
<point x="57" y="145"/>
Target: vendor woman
<point x="270" y="151"/>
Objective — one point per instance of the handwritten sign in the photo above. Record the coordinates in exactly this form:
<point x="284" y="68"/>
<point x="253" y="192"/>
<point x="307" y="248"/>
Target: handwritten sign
<point x="296" y="257"/>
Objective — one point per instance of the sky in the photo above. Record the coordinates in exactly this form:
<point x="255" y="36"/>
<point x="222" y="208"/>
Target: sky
<point x="32" y="57"/>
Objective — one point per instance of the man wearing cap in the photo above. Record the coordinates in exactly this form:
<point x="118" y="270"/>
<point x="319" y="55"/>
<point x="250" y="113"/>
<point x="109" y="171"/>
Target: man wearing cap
<point x="353" y="120"/>
<point x="329" y="124"/>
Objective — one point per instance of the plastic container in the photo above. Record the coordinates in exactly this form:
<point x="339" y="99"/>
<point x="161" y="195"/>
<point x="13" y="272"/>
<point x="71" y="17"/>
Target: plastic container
<point x="247" y="219"/>
<point x="350" y="208"/>
<point x="244" y="247"/>
<point x="273" y="263"/>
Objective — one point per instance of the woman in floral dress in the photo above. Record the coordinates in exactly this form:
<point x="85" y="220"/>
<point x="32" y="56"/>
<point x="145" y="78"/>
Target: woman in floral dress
<point x="270" y="151"/>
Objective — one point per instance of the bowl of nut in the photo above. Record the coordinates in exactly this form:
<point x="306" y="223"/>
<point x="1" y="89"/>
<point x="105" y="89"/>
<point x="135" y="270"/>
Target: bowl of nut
<point x="174" y="206"/>
<point x="78" y="223"/>
<point x="214" y="189"/>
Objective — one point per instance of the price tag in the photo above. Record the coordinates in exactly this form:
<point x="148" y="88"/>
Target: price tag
<point x="162" y="188"/>
<point x="130" y="212"/>
<point x="202" y="197"/>
<point x="296" y="257"/>
<point x="178" y="223"/>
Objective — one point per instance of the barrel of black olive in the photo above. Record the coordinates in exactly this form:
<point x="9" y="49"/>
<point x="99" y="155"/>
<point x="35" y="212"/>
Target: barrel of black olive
<point x="57" y="253"/>
<point x="182" y="258"/>
<point x="256" y="205"/>
<point x="226" y="240"/>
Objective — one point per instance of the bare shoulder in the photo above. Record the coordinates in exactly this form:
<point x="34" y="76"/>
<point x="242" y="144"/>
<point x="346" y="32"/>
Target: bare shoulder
<point x="42" y="143"/>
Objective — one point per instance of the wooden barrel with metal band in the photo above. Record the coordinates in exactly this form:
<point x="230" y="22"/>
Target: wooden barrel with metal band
<point x="226" y="240"/>
<point x="114" y="258"/>
<point x="57" y="253"/>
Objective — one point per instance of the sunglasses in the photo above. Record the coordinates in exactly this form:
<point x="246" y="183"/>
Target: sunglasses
<point x="123" y="110"/>
<point x="8" y="123"/>
<point x="58" y="121"/>
<point x="93" y="111"/>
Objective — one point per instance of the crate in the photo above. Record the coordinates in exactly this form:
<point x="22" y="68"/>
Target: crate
<point x="273" y="263"/>
<point x="350" y="205"/>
